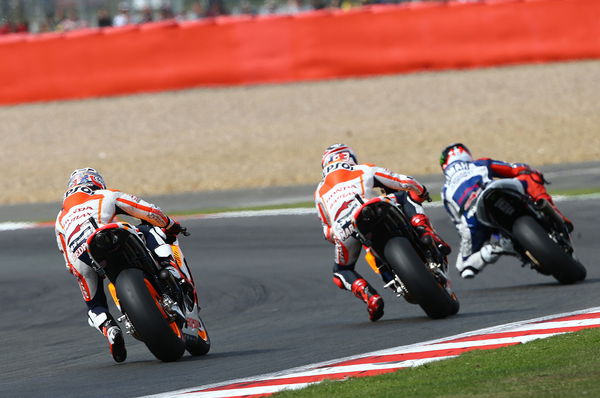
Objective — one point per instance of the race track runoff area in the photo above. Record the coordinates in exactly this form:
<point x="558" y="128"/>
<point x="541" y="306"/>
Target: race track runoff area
<point x="393" y="359"/>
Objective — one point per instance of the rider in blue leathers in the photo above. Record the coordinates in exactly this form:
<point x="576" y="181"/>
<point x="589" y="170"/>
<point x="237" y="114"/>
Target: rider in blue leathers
<point x="465" y="178"/>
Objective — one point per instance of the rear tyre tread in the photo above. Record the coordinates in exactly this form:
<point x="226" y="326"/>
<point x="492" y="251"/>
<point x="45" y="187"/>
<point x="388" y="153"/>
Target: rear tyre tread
<point x="553" y="259"/>
<point x="149" y="323"/>
<point x="420" y="283"/>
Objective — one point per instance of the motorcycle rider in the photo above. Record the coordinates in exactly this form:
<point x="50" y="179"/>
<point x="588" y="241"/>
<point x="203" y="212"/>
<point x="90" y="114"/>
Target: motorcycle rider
<point x="335" y="199"/>
<point x="465" y="179"/>
<point x="87" y="197"/>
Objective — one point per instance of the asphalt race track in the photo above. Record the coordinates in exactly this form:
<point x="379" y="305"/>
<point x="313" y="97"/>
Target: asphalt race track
<point x="269" y="304"/>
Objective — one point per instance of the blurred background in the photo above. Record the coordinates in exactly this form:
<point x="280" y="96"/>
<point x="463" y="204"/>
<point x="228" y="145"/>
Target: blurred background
<point x="38" y="16"/>
<point x="169" y="108"/>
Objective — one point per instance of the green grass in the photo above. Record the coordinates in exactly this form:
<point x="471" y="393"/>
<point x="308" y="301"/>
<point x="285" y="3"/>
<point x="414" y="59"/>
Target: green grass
<point x="562" y="366"/>
<point x="575" y="192"/>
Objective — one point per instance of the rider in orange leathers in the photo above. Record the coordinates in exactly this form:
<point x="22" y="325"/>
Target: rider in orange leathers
<point x="87" y="197"/>
<point x="335" y="199"/>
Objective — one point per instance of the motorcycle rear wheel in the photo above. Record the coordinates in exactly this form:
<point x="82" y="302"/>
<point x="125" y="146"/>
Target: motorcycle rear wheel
<point x="533" y="238"/>
<point x="139" y="300"/>
<point x="433" y="298"/>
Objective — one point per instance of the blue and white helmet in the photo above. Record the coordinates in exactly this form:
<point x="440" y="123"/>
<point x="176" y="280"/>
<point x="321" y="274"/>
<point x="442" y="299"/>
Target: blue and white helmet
<point x="455" y="152"/>
<point x="338" y="153"/>
<point x="88" y="177"/>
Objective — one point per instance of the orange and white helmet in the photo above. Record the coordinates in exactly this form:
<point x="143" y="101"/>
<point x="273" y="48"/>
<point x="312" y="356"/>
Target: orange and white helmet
<point x="338" y="153"/>
<point x="88" y="177"/>
<point x="455" y="152"/>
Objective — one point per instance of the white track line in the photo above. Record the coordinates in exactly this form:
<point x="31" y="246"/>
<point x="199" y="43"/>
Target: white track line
<point x="13" y="226"/>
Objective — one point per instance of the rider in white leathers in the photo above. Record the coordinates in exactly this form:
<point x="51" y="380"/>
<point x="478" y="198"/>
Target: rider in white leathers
<point x="465" y="178"/>
<point x="87" y="197"/>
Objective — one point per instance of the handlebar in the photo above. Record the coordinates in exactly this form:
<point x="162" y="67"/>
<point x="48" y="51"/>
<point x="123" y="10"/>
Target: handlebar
<point x="183" y="231"/>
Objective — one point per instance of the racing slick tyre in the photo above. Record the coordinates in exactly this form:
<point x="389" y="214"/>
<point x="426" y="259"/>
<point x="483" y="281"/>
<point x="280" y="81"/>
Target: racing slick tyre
<point x="550" y="256"/>
<point x="198" y="345"/>
<point x="141" y="302"/>
<point x="422" y="286"/>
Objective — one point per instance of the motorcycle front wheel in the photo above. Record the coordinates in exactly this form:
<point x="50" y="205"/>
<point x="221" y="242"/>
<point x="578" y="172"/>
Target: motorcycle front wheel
<point x="141" y="302"/>
<point x="550" y="256"/>
<point x="422" y="286"/>
<point x="200" y="344"/>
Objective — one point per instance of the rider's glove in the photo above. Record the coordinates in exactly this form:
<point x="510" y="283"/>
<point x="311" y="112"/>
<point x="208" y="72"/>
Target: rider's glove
<point x="175" y="229"/>
<point x="424" y="196"/>
<point x="536" y="175"/>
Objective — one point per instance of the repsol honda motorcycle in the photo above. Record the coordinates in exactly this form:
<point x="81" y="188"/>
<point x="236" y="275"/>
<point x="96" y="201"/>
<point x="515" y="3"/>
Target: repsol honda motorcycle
<point x="539" y="235"/>
<point x="157" y="308"/>
<point x="411" y="267"/>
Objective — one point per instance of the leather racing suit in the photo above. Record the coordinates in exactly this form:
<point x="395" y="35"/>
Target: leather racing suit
<point x="464" y="181"/>
<point x="73" y="228"/>
<point x="336" y="202"/>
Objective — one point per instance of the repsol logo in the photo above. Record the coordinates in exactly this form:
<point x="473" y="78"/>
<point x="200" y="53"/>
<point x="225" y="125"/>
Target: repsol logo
<point x="79" y="188"/>
<point x="336" y="166"/>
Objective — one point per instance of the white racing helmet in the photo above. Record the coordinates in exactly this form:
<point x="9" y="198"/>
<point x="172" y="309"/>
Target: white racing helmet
<point x="88" y="177"/>
<point x="455" y="152"/>
<point x="338" y="153"/>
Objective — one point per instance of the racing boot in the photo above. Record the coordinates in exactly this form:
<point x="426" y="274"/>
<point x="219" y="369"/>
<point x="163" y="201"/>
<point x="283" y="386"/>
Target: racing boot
<point x="534" y="185"/>
<point x="114" y="335"/>
<point x="426" y="232"/>
<point x="547" y="206"/>
<point x="366" y="293"/>
<point x="488" y="254"/>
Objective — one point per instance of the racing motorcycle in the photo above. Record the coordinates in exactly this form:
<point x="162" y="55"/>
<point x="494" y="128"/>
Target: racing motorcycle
<point x="157" y="308"/>
<point x="412" y="267"/>
<point x="539" y="235"/>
